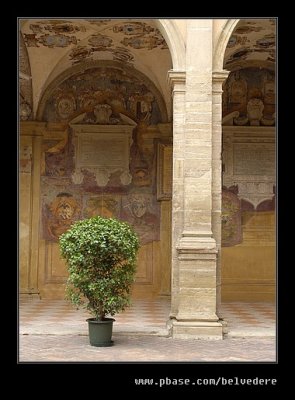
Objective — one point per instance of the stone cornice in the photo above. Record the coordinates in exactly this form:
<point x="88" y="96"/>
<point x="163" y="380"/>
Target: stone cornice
<point x="218" y="77"/>
<point x="176" y="79"/>
<point x="196" y="242"/>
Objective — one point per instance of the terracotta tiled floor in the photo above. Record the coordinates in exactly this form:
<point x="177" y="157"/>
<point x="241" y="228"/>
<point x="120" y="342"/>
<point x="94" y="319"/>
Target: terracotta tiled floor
<point x="53" y="331"/>
<point x="144" y="316"/>
<point x="250" y="319"/>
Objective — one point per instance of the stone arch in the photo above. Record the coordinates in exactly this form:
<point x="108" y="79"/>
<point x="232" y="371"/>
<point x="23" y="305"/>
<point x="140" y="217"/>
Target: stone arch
<point x="174" y="41"/>
<point x="218" y="57"/>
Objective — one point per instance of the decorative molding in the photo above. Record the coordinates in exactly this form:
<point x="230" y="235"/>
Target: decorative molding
<point x="218" y="77"/>
<point x="176" y="80"/>
<point x="193" y="242"/>
<point x="253" y="172"/>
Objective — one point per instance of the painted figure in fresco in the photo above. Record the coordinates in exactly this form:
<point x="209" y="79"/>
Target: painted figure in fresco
<point x="269" y="92"/>
<point x="24" y="111"/>
<point x="62" y="213"/>
<point x="141" y="177"/>
<point x="255" y="111"/>
<point x="65" y="106"/>
<point x="138" y="206"/>
<point x="54" y="156"/>
<point x="238" y="91"/>
<point x="102" y="113"/>
<point x="106" y="207"/>
<point x="141" y="106"/>
<point x="139" y="211"/>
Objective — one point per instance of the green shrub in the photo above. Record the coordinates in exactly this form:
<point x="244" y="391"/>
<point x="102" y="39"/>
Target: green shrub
<point x="101" y="257"/>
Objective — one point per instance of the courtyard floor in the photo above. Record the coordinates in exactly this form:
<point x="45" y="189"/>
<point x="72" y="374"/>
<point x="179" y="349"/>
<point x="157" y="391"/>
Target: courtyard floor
<point x="54" y="331"/>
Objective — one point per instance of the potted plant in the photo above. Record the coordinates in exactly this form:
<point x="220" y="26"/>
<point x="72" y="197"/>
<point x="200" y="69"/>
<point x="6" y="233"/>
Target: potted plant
<point x="101" y="257"/>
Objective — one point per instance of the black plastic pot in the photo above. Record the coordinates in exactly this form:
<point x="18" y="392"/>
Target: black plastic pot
<point x="100" y="332"/>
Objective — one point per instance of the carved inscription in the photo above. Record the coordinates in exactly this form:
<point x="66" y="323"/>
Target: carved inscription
<point x="102" y="150"/>
<point x="107" y="150"/>
<point x="254" y="159"/>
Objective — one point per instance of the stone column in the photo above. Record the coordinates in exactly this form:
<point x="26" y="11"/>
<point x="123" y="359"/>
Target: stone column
<point x="194" y="315"/>
<point x="31" y="137"/>
<point x="176" y="80"/>
<point x="218" y="77"/>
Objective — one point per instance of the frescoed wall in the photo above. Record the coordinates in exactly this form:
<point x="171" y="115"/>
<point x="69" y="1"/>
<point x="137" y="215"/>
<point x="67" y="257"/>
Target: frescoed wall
<point x="248" y="196"/>
<point x="99" y="157"/>
<point x="249" y="98"/>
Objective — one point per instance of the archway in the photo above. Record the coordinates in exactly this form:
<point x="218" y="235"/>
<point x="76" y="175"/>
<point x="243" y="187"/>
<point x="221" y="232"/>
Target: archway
<point x="100" y="74"/>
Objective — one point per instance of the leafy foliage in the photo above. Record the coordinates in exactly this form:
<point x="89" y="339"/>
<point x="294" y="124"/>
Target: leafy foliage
<point x="101" y="257"/>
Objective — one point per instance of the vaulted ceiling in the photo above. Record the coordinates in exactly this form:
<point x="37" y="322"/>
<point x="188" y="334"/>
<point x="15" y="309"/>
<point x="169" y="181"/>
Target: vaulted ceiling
<point x="56" y="45"/>
<point x="252" y="44"/>
<point x="50" y="47"/>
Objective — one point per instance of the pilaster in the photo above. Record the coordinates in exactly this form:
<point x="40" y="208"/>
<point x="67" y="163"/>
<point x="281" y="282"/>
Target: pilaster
<point x="218" y="78"/>
<point x="176" y="80"/>
<point x="32" y="133"/>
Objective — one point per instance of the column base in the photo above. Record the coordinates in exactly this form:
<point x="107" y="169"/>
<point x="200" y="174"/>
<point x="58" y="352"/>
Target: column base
<point x="195" y="330"/>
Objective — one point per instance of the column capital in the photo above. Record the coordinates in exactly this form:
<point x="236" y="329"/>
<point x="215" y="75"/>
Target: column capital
<point x="176" y="80"/>
<point x="220" y="76"/>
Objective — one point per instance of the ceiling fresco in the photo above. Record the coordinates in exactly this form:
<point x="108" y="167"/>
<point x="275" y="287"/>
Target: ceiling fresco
<point x="253" y="41"/>
<point x="56" y="45"/>
<point x="137" y="35"/>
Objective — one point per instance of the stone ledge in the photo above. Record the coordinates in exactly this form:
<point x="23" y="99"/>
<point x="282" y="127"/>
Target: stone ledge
<point x="196" y="242"/>
<point x="196" y="247"/>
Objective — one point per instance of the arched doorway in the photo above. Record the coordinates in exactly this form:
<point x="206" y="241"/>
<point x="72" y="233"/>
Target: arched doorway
<point x="103" y="86"/>
<point x="248" y="164"/>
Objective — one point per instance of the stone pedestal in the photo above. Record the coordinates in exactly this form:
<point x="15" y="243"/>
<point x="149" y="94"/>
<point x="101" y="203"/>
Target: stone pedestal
<point x="196" y="317"/>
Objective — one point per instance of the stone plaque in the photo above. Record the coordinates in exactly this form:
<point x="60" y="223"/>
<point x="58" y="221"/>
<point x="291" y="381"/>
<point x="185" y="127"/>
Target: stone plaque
<point x="103" y="150"/>
<point x="164" y="171"/>
<point x="254" y="159"/>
